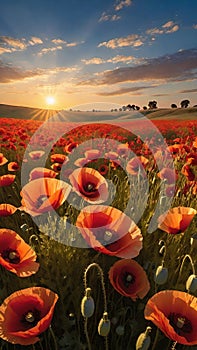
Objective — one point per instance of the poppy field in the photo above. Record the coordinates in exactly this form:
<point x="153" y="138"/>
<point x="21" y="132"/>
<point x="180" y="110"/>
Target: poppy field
<point x="98" y="235"/>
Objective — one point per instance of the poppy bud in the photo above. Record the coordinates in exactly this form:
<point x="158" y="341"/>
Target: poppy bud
<point x="144" y="340"/>
<point x="161" y="275"/>
<point x="120" y="330"/>
<point x="87" y="304"/>
<point x="24" y="227"/>
<point x="104" y="325"/>
<point x="191" y="284"/>
<point x="193" y="240"/>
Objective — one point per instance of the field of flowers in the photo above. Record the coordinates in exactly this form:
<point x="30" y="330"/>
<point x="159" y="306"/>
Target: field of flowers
<point x="98" y="235"/>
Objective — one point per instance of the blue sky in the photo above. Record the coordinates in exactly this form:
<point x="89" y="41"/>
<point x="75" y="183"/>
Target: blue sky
<point x="109" y="52"/>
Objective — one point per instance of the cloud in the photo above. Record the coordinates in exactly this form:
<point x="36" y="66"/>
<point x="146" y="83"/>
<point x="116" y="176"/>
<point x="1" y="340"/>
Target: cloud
<point x="9" y="73"/>
<point x="123" y="91"/>
<point x="35" y="41"/>
<point x="179" y="66"/>
<point x="166" y="28"/>
<point x="187" y="91"/>
<point x="109" y="17"/>
<point x="121" y="4"/>
<point x="130" y="40"/>
<point x="115" y="59"/>
<point x="46" y="50"/>
<point x="7" y="40"/>
<point x="58" y="41"/>
<point x="195" y="26"/>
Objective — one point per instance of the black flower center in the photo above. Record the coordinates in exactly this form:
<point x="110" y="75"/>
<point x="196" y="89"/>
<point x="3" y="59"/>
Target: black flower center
<point x="10" y="255"/>
<point x="180" y="323"/>
<point x="31" y="318"/>
<point x="90" y="187"/>
<point x="128" y="279"/>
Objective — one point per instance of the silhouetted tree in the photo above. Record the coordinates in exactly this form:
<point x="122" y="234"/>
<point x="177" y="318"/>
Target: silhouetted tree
<point x="185" y="103"/>
<point x="144" y="108"/>
<point x="152" y="104"/>
<point x="173" y="105"/>
<point x="137" y="108"/>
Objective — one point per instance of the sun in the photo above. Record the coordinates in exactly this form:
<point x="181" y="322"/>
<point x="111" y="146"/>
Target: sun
<point x="50" y="100"/>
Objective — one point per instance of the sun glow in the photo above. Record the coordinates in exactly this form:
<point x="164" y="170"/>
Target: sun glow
<point x="50" y="100"/>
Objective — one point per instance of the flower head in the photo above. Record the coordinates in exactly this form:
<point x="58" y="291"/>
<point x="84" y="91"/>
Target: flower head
<point x="25" y="314"/>
<point x="129" y="279"/>
<point x="7" y="209"/>
<point x="110" y="231"/>
<point x="43" y="195"/>
<point x="176" y="220"/>
<point x="6" y="180"/>
<point x="90" y="184"/>
<point x="16" y="255"/>
<point x="3" y="160"/>
<point x="40" y="172"/>
<point x="175" y="314"/>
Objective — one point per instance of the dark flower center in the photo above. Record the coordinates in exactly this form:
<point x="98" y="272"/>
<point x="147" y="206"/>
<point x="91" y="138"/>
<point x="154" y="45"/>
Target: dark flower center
<point x="180" y="323"/>
<point x="10" y="255"/>
<point x="41" y="200"/>
<point x="31" y="318"/>
<point x="90" y="187"/>
<point x="106" y="237"/>
<point x="128" y="279"/>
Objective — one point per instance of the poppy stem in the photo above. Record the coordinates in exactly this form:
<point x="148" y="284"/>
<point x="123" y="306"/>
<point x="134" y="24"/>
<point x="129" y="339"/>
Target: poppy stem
<point x="182" y="264"/>
<point x="86" y="333"/>
<point x="156" y="339"/>
<point x="53" y="337"/>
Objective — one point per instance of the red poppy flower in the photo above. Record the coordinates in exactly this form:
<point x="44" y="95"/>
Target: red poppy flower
<point x="7" y="209"/>
<point x="137" y="164"/>
<point x="176" y="220"/>
<point x="68" y="148"/>
<point x="6" y="180"/>
<point x="90" y="184"/>
<point x="111" y="155"/>
<point x="3" y="160"/>
<point x="188" y="172"/>
<point x="81" y="162"/>
<point x="103" y="169"/>
<point x="25" y="314"/>
<point x="168" y="175"/>
<point x="37" y="173"/>
<point x="34" y="155"/>
<point x="110" y="231"/>
<point x="123" y="150"/>
<point x="16" y="255"/>
<point x="93" y="154"/>
<point x="43" y="195"/>
<point x="175" y="314"/>
<point x="59" y="158"/>
<point x="13" y="166"/>
<point x="129" y="279"/>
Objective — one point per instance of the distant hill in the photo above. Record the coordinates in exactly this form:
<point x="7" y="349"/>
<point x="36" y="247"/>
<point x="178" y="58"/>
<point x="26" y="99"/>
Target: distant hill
<point x="20" y="112"/>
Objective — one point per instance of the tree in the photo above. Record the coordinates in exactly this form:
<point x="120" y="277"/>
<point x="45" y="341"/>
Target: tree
<point x="152" y="104"/>
<point x="137" y="108"/>
<point x="185" y="103"/>
<point x="173" y="105"/>
<point x="144" y="108"/>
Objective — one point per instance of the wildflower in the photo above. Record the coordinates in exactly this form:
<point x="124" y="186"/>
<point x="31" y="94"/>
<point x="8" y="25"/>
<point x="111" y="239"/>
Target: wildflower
<point x="40" y="172"/>
<point x="68" y="148"/>
<point x="7" y="209"/>
<point x="90" y="184"/>
<point x="6" y="180"/>
<point x="25" y="314"/>
<point x="175" y="314"/>
<point x="3" y="160"/>
<point x="110" y="231"/>
<point x="34" y="155"/>
<point x="176" y="220"/>
<point x="137" y="164"/>
<point x="16" y="255"/>
<point x="129" y="279"/>
<point x="43" y="195"/>
<point x="168" y="175"/>
<point x="59" y="158"/>
<point x="13" y="166"/>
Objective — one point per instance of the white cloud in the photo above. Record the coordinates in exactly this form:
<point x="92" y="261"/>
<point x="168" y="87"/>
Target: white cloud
<point x="34" y="41"/>
<point x="166" y="28"/>
<point x="121" y="4"/>
<point x="109" y="17"/>
<point x="130" y="40"/>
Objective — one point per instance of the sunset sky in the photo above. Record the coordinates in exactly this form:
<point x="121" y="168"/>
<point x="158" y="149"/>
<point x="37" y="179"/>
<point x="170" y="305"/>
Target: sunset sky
<point x="64" y="54"/>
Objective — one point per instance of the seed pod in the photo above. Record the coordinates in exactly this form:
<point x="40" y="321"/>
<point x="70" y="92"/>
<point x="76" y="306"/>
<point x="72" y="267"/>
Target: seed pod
<point x="87" y="304"/>
<point x="161" y="275"/>
<point x="144" y="340"/>
<point x="104" y="325"/>
<point x="191" y="284"/>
